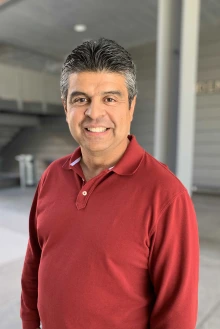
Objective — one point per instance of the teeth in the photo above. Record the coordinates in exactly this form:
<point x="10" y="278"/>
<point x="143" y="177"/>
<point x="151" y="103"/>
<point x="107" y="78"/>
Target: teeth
<point x="97" y="129"/>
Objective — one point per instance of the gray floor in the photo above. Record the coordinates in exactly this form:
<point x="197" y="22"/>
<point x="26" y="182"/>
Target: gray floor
<point x="14" y="209"/>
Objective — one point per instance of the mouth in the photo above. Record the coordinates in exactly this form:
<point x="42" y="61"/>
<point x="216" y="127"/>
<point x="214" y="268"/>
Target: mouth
<point x="97" y="129"/>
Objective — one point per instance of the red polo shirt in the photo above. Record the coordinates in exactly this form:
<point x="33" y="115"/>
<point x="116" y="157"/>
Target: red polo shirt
<point x="117" y="252"/>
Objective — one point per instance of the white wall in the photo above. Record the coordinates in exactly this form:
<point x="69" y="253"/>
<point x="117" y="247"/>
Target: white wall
<point x="28" y="85"/>
<point x="207" y="139"/>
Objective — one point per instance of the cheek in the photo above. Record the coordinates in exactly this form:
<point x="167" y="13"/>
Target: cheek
<point x="74" y="117"/>
<point x="122" y="121"/>
<point x="127" y="121"/>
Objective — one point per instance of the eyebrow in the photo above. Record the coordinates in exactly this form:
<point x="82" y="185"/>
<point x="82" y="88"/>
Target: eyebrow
<point x="81" y="93"/>
<point x="112" y="92"/>
<point x="78" y="93"/>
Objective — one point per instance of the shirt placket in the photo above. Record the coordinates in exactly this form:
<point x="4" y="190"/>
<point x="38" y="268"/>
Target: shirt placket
<point x="88" y="188"/>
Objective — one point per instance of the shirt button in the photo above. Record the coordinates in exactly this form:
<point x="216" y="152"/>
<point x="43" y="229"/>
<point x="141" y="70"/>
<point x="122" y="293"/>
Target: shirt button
<point x="84" y="193"/>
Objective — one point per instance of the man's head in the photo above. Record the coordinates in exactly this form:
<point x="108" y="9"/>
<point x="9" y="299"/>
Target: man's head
<point x="98" y="89"/>
<point x="96" y="56"/>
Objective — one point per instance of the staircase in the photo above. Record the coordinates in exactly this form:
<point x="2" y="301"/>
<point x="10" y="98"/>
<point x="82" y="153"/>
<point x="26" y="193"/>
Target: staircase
<point x="7" y="133"/>
<point x="10" y="126"/>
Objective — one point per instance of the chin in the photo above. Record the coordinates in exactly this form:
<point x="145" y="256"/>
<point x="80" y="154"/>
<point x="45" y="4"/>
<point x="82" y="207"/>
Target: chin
<point x="96" y="149"/>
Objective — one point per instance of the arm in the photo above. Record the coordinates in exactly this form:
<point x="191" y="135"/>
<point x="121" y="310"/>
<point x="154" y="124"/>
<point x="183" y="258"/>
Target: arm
<point x="29" y="280"/>
<point x="174" y="265"/>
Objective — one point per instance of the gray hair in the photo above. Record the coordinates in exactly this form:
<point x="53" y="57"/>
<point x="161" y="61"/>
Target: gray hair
<point x="96" y="56"/>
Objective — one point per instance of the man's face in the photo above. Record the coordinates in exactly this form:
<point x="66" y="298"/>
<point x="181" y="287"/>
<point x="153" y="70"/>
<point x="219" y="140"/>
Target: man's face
<point x="98" y="112"/>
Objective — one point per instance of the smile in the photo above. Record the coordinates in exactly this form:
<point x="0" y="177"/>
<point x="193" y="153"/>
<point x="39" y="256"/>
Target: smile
<point x="97" y="129"/>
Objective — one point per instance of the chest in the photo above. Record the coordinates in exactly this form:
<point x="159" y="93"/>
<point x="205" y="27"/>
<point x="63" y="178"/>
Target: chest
<point x="108" y="219"/>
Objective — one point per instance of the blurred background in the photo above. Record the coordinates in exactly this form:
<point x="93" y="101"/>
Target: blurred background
<point x="176" y="47"/>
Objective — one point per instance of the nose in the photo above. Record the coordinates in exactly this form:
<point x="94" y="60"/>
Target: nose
<point x="95" y="109"/>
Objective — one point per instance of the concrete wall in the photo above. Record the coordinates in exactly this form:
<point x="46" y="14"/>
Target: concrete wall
<point x="24" y="86"/>
<point x="143" y="123"/>
<point x="207" y="138"/>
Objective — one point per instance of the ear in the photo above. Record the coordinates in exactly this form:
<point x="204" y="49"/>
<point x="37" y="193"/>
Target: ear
<point x="132" y="107"/>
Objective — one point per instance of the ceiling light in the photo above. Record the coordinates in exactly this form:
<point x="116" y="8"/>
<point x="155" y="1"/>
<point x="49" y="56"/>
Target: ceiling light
<point x="80" y="27"/>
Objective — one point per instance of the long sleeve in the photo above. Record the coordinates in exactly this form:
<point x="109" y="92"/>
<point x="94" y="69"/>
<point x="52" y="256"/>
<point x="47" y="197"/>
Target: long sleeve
<point x="29" y="280"/>
<point x="174" y="266"/>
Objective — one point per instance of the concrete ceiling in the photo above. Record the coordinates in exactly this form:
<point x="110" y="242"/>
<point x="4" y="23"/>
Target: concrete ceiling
<point x="46" y="26"/>
<point x="40" y="33"/>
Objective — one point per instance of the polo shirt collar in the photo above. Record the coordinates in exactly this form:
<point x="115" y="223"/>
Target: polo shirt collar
<point x="132" y="158"/>
<point x="127" y="165"/>
<point x="74" y="158"/>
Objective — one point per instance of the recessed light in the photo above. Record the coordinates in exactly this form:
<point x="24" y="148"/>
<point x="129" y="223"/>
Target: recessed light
<point x="80" y="27"/>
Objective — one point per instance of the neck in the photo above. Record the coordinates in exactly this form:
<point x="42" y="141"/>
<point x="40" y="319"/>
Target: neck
<point x="93" y="164"/>
<point x="91" y="168"/>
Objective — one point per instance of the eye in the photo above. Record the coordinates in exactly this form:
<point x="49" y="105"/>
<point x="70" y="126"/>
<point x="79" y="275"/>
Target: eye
<point x="80" y="100"/>
<point x="109" y="100"/>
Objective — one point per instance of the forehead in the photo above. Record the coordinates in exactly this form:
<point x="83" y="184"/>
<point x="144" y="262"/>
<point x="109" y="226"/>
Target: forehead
<point x="92" y="82"/>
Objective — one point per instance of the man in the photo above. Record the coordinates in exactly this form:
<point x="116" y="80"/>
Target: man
<point x="113" y="233"/>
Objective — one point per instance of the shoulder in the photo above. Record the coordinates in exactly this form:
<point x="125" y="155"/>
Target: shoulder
<point x="161" y="183"/>
<point x="170" y="202"/>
